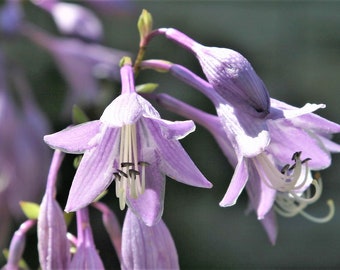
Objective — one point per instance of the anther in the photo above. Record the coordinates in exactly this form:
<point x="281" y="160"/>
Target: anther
<point x="296" y="155"/>
<point x="126" y="164"/>
<point x="122" y="173"/>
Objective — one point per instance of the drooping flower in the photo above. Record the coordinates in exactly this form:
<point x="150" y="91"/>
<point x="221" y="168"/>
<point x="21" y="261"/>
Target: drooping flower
<point x="23" y="155"/>
<point x="229" y="73"/>
<point x="17" y="246"/>
<point x="73" y="19"/>
<point x="133" y="146"/>
<point x="86" y="256"/>
<point x="79" y="62"/>
<point x="53" y="245"/>
<point x="145" y="247"/>
<point x="279" y="172"/>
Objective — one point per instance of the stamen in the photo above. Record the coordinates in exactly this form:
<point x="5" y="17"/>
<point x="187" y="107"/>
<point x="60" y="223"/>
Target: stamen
<point x="131" y="179"/>
<point x="286" y="179"/>
<point x="290" y="204"/>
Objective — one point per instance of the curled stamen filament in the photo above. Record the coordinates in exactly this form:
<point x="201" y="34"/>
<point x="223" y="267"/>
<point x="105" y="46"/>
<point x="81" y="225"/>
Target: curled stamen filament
<point x="290" y="204"/>
<point x="285" y="180"/>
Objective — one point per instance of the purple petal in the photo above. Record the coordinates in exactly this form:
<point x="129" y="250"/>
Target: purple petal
<point x="53" y="245"/>
<point x="287" y="139"/>
<point x="75" y="140"/>
<point x="330" y="145"/>
<point x="233" y="77"/>
<point x="123" y="110"/>
<point x="249" y="135"/>
<point x="260" y="195"/>
<point x="95" y="171"/>
<point x="175" y="130"/>
<point x="145" y="247"/>
<point x="149" y="205"/>
<point x="86" y="257"/>
<point x="269" y="223"/>
<point x="175" y="162"/>
<point x="236" y="185"/>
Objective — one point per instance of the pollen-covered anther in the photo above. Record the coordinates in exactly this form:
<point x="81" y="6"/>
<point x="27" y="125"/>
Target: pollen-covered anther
<point x="130" y="175"/>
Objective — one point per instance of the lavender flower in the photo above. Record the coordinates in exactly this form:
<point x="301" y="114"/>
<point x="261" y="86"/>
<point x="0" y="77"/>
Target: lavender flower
<point x="132" y="145"/>
<point x="145" y="247"/>
<point x="273" y="178"/>
<point x="17" y="246"/>
<point x="230" y="74"/>
<point x="86" y="256"/>
<point x="79" y="62"/>
<point x="53" y="245"/>
<point x="73" y="19"/>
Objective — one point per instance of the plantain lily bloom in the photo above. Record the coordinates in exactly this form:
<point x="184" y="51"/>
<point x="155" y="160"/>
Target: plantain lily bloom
<point x="273" y="179"/>
<point x="131" y="145"/>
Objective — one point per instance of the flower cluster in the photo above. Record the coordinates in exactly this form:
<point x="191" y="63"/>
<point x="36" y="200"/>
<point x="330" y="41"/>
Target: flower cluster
<point x="276" y="149"/>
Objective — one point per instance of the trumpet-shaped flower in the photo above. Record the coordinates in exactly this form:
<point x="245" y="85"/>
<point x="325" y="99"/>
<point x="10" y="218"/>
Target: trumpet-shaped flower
<point x="281" y="173"/>
<point x="229" y="73"/>
<point x="133" y="146"/>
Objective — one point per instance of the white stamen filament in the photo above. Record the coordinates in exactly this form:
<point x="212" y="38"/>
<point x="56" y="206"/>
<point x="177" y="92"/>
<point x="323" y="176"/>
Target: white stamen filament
<point x="282" y="181"/>
<point x="289" y="204"/>
<point x="128" y="177"/>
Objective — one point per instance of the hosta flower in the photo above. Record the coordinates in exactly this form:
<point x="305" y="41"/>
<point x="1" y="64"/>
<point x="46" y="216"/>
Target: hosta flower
<point x="79" y="62"/>
<point x="133" y="146"/>
<point x="73" y="19"/>
<point x="279" y="174"/>
<point x="229" y="72"/>
<point x="145" y="247"/>
<point x="53" y="245"/>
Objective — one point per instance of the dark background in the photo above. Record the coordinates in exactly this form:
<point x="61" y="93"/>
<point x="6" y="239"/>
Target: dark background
<point x="294" y="47"/>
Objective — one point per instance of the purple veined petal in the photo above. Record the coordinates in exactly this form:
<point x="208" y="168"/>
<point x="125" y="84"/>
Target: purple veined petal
<point x="260" y="195"/>
<point x="269" y="223"/>
<point x="175" y="130"/>
<point x="249" y="135"/>
<point x="123" y="110"/>
<point x="86" y="258"/>
<point x="145" y="247"/>
<point x="149" y="205"/>
<point x="95" y="172"/>
<point x="53" y="245"/>
<point x="76" y="139"/>
<point x="237" y="184"/>
<point x="287" y="139"/>
<point x="175" y="162"/>
<point x="233" y="77"/>
<point x="329" y="145"/>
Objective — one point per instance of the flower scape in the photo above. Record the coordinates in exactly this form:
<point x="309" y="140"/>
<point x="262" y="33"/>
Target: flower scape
<point x="129" y="151"/>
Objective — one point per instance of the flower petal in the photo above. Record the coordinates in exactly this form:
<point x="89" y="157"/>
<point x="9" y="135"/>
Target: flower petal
<point x="175" y="130"/>
<point x="260" y="195"/>
<point x="287" y="139"/>
<point x="53" y="245"/>
<point x="95" y="171"/>
<point x="249" y="135"/>
<point x="269" y="223"/>
<point x="74" y="139"/>
<point x="149" y="205"/>
<point x="145" y="247"/>
<point x="237" y="184"/>
<point x="175" y="162"/>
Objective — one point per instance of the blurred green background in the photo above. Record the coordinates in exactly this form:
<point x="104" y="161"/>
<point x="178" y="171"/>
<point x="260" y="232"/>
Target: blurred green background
<point x="295" y="48"/>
